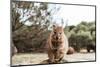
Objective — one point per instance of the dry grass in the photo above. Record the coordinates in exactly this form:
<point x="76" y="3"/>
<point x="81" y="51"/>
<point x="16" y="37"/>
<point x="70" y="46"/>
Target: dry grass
<point x="38" y="58"/>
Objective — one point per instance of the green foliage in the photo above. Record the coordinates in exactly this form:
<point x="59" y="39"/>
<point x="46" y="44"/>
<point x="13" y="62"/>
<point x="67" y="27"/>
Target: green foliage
<point x="26" y="38"/>
<point x="81" y="36"/>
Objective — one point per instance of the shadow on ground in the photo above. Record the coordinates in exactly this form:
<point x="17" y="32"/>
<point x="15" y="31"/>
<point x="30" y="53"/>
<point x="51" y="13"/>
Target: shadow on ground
<point x="47" y="62"/>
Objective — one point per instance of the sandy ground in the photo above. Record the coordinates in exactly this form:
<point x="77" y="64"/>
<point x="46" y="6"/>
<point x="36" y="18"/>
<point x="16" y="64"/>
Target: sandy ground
<point x="40" y="58"/>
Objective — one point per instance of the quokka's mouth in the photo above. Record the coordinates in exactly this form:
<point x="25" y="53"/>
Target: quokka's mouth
<point x="57" y="41"/>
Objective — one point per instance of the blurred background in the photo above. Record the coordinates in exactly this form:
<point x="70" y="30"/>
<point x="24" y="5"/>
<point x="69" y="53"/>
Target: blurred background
<point x="32" y="22"/>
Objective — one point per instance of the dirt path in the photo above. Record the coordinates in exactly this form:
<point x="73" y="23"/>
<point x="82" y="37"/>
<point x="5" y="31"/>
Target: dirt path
<point x="37" y="58"/>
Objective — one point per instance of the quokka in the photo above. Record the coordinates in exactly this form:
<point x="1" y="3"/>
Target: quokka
<point x="57" y="44"/>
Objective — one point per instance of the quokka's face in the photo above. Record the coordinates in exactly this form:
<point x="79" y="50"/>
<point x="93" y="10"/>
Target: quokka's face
<point x="57" y="33"/>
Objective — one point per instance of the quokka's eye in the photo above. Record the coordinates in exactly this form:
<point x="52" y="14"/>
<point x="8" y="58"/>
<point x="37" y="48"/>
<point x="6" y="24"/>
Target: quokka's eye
<point x="54" y="32"/>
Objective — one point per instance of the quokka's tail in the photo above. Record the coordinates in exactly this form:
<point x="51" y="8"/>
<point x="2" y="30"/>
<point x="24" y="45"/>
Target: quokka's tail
<point x="70" y="50"/>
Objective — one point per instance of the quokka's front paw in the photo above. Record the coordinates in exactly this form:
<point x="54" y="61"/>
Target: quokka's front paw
<point x="50" y="61"/>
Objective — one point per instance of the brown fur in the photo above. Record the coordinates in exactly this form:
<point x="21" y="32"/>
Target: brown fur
<point x="70" y="50"/>
<point x="57" y="45"/>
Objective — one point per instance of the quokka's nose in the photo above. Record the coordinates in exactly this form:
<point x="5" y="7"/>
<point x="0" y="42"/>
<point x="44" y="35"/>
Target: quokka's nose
<point x="56" y="38"/>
